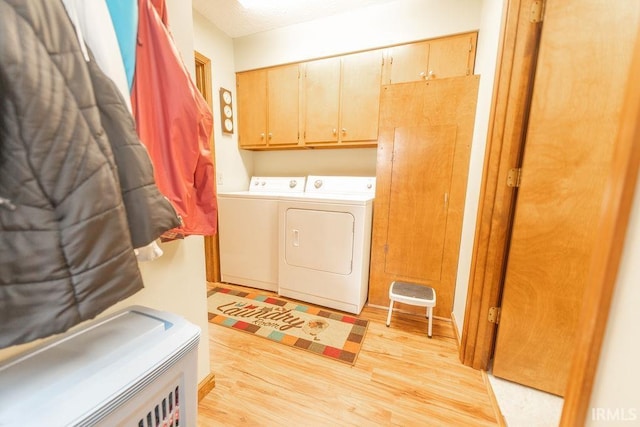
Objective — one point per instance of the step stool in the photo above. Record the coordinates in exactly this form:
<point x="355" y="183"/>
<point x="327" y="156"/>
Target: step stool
<point x="413" y="294"/>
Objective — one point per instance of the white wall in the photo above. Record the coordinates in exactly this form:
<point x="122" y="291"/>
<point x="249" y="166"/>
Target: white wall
<point x="344" y="161"/>
<point x="486" y="57"/>
<point x="615" y="399"/>
<point x="176" y="281"/>
<point x="382" y="25"/>
<point x="233" y="166"/>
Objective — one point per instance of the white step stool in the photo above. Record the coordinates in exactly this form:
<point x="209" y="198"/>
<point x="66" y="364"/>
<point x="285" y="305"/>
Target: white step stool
<point x="413" y="294"/>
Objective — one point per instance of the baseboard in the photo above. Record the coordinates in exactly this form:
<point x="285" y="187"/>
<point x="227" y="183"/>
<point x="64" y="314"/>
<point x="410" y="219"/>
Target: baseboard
<point x="492" y="398"/>
<point x="206" y="385"/>
<point x="455" y="330"/>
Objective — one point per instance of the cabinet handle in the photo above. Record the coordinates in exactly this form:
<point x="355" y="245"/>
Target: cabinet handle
<point x="344" y="131"/>
<point x="335" y="131"/>
<point x="262" y="135"/>
<point x="270" y="135"/>
<point x="446" y="201"/>
<point x="427" y="76"/>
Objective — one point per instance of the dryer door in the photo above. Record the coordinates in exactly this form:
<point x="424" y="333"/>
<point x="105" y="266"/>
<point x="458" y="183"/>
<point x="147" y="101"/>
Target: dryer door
<point x="319" y="240"/>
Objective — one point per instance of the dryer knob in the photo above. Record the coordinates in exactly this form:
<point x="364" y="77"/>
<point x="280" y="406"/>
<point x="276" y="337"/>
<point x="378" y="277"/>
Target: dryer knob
<point x="293" y="183"/>
<point x="369" y="186"/>
<point x="263" y="183"/>
<point x="318" y="183"/>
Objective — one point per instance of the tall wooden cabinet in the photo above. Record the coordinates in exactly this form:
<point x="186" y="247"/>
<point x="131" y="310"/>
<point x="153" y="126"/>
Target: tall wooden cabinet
<point x="341" y="98"/>
<point x="421" y="175"/>
<point x="268" y="107"/>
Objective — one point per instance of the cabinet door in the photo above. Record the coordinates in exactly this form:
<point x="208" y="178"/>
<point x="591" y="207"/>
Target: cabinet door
<point x="252" y="108"/>
<point x="284" y="106"/>
<point x="321" y="99"/>
<point x="452" y="56"/>
<point x="360" y="98"/>
<point x="408" y="62"/>
<point x="421" y="171"/>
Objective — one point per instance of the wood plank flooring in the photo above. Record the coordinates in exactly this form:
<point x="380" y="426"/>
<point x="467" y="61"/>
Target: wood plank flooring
<point x="401" y="378"/>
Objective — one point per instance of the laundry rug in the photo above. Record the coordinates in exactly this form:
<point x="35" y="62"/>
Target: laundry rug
<point x="317" y="330"/>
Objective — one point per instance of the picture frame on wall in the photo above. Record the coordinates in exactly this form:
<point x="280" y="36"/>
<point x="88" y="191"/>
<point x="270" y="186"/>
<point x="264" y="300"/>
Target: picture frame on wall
<point x="226" y="110"/>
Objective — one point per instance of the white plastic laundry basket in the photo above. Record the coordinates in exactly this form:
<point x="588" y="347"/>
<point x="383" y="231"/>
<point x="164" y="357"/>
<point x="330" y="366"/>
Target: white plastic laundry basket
<point x="137" y="367"/>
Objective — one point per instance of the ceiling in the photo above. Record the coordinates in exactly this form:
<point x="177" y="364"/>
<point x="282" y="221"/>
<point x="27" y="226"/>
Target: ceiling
<point x="236" y="21"/>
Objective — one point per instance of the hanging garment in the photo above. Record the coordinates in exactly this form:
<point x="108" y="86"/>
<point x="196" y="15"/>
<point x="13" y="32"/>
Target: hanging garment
<point x="93" y="25"/>
<point x="124" y="16"/>
<point x="174" y="122"/>
<point x="149" y="213"/>
<point x="65" y="246"/>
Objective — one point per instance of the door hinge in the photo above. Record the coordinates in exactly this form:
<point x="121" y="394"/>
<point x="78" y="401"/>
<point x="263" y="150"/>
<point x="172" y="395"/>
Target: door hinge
<point x="537" y="9"/>
<point x="494" y="315"/>
<point x="386" y="249"/>
<point x="514" y="177"/>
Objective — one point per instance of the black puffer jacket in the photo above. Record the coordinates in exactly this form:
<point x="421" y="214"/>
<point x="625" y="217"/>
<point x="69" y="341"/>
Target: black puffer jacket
<point x="66" y="251"/>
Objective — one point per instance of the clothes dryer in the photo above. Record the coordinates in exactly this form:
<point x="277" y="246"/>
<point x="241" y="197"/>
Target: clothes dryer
<point x="248" y="231"/>
<point x="325" y="242"/>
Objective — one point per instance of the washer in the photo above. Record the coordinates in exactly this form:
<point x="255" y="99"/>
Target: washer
<point x="248" y="231"/>
<point x="325" y="242"/>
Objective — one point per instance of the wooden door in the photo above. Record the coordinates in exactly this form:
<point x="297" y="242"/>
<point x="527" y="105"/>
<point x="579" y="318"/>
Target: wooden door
<point x="425" y="138"/>
<point x="284" y="105"/>
<point x="574" y="117"/>
<point x="408" y="62"/>
<point x="452" y="56"/>
<point x="251" y="89"/>
<point x="321" y="99"/>
<point x="360" y="96"/>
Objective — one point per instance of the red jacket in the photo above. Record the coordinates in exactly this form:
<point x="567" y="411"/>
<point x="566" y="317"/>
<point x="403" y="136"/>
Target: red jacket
<point x="174" y="122"/>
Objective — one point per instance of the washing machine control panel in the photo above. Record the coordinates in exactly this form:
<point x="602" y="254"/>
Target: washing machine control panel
<point x="340" y="185"/>
<point x="277" y="184"/>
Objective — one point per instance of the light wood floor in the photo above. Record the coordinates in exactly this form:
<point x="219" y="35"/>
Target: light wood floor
<point x="401" y="378"/>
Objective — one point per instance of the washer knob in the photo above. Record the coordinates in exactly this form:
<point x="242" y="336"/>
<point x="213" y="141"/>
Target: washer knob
<point x="318" y="183"/>
<point x="293" y="183"/>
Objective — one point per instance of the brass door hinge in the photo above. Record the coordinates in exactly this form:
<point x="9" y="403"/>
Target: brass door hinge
<point x="537" y="11"/>
<point x="494" y="315"/>
<point x="514" y="177"/>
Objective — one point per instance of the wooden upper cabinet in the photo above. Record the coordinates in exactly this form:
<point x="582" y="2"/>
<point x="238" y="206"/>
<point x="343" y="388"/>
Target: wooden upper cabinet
<point x="452" y="56"/>
<point x="251" y="94"/>
<point x="322" y="100"/>
<point x="335" y="101"/>
<point x="268" y="107"/>
<point x="360" y="100"/>
<point x="284" y="105"/>
<point x="342" y="99"/>
<point x="408" y="63"/>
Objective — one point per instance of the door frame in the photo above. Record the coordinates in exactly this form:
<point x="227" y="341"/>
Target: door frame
<point x="516" y="64"/>
<point x="508" y="123"/>
<point x="211" y="243"/>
